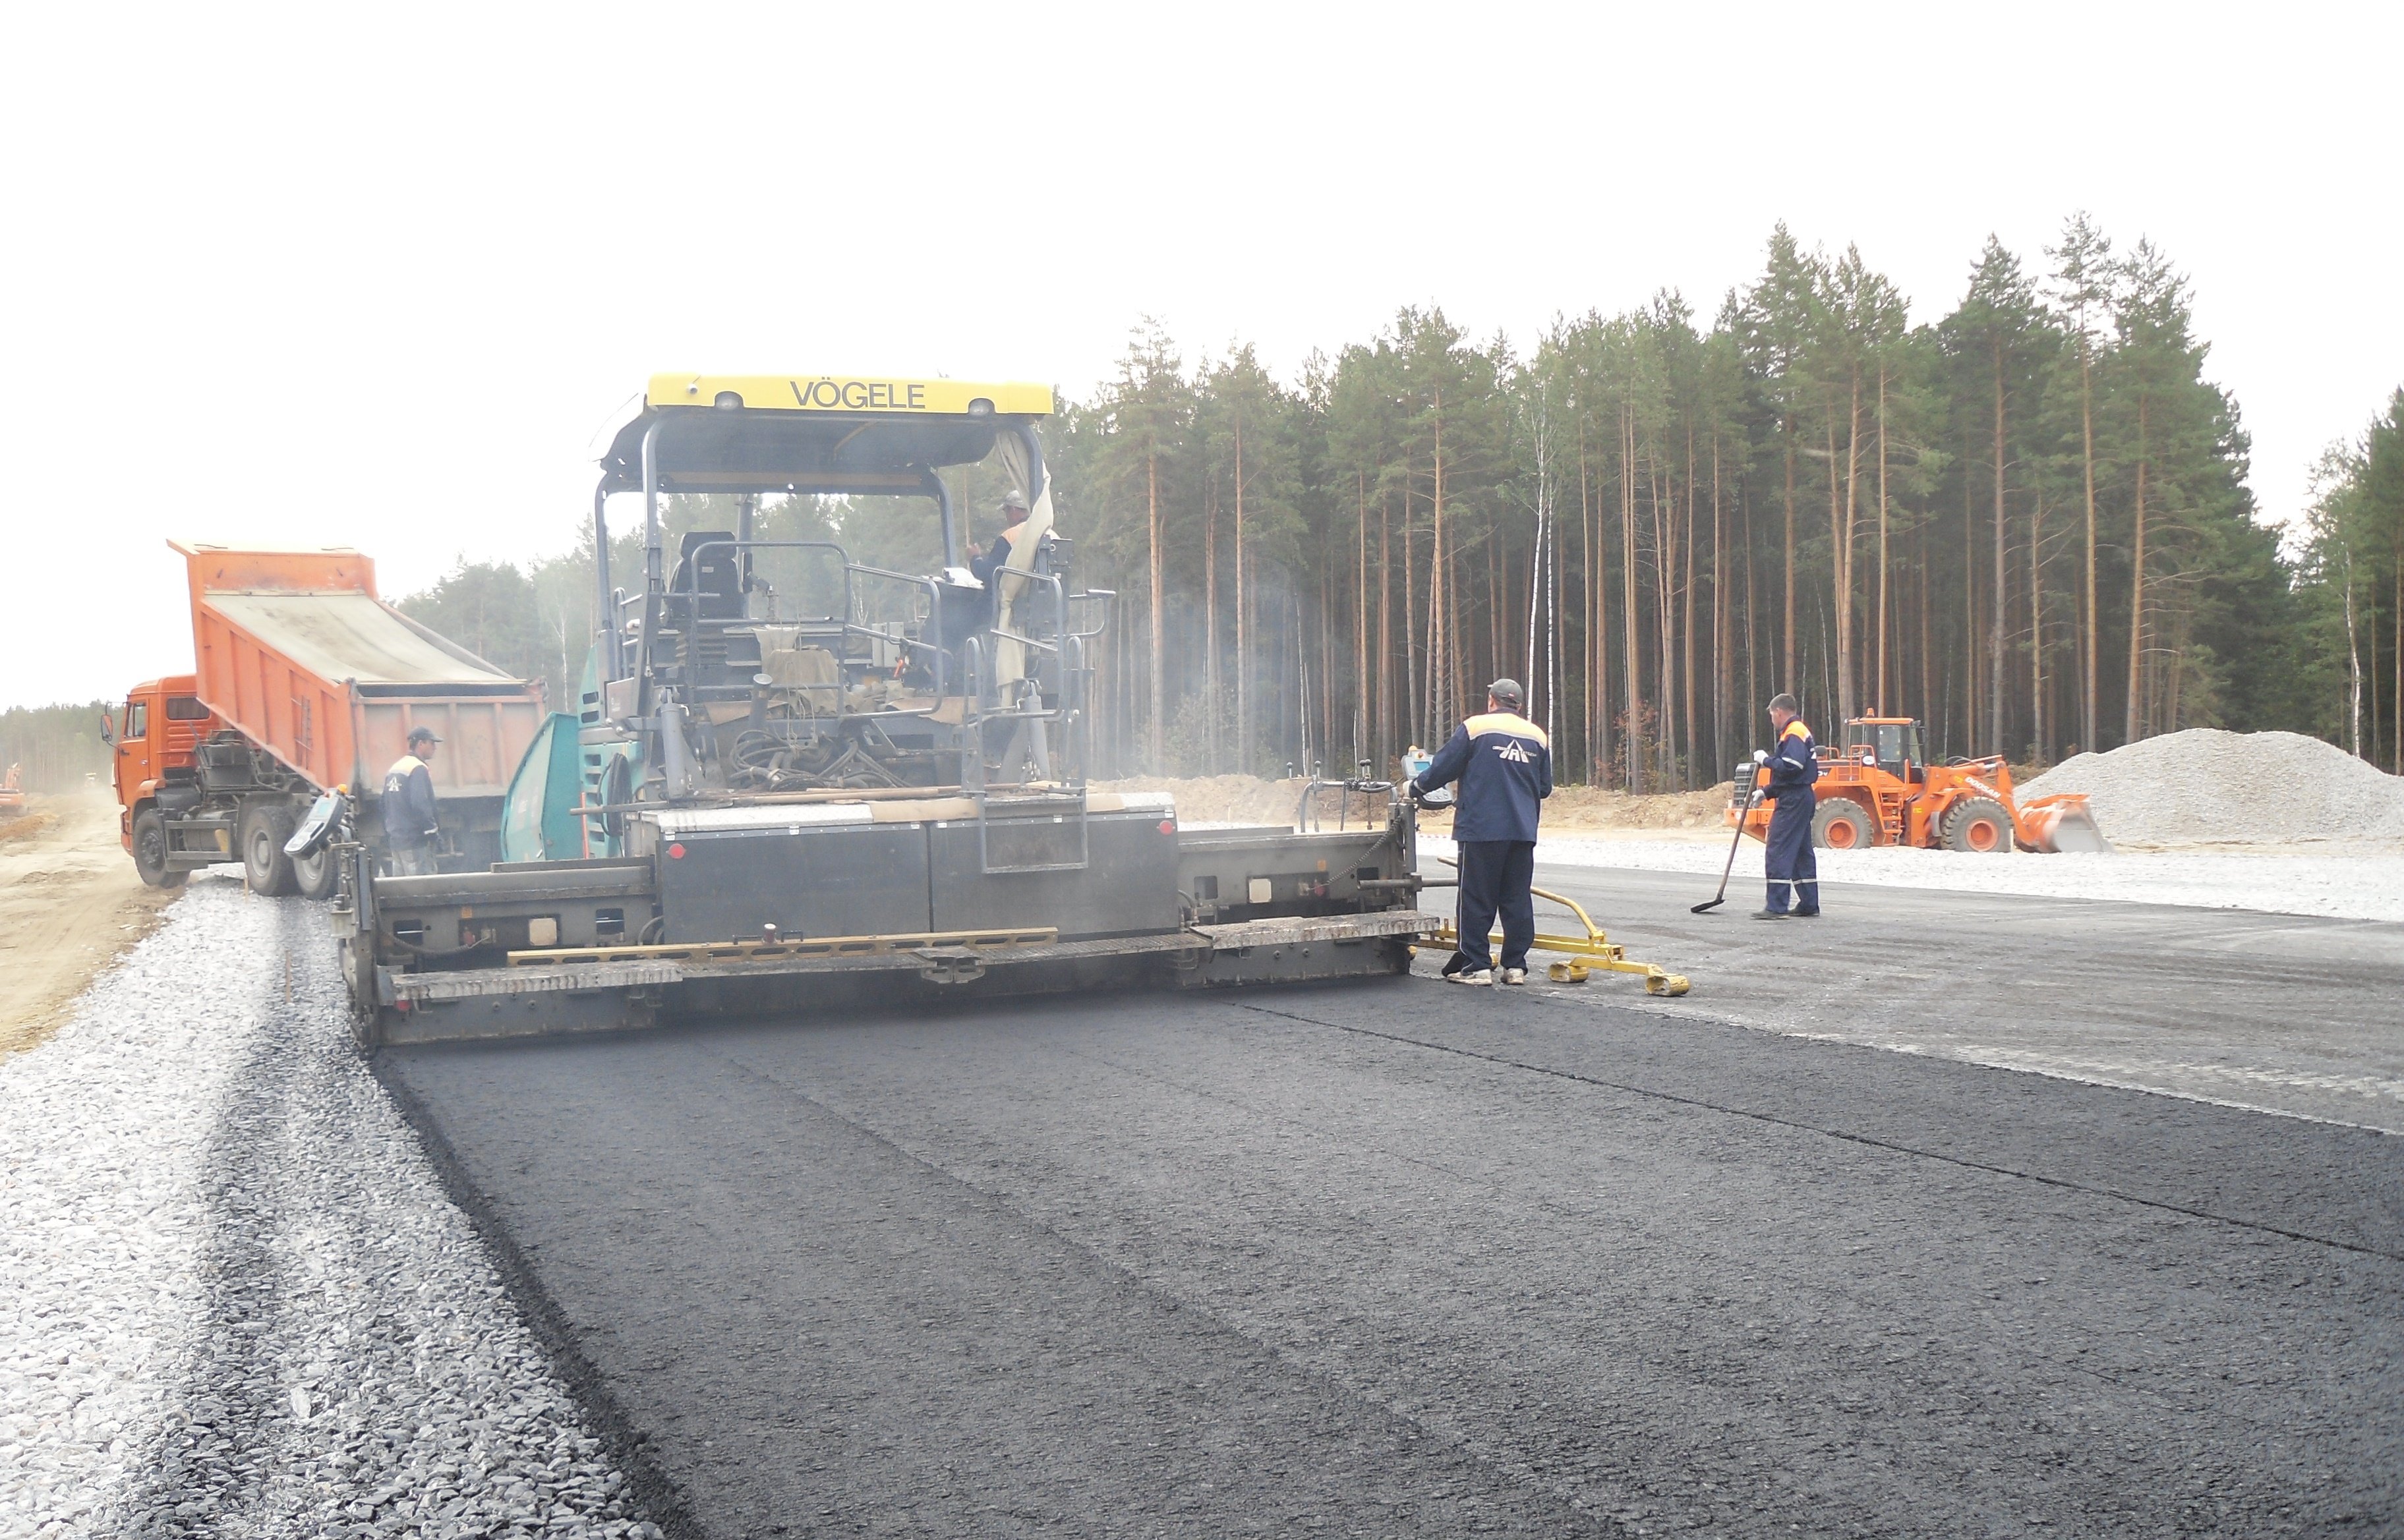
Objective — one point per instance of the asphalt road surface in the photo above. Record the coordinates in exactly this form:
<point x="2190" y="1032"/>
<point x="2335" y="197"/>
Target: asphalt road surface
<point x="2279" y="1012"/>
<point x="1410" y="1260"/>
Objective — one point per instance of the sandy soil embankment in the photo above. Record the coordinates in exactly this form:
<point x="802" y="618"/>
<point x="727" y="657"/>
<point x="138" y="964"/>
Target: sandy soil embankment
<point x="69" y="902"/>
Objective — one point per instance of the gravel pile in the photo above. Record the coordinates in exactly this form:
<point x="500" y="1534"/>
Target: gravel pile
<point x="234" y="1300"/>
<point x="2206" y="786"/>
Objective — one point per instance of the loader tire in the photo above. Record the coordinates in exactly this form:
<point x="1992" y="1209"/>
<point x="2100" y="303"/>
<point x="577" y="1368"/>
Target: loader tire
<point x="265" y="827"/>
<point x="1978" y="826"/>
<point x="317" y="875"/>
<point x="151" y="852"/>
<point x="1842" y="824"/>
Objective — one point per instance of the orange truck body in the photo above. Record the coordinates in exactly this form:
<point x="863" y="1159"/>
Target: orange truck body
<point x="1879" y="789"/>
<point x="265" y="648"/>
<point x="298" y="661"/>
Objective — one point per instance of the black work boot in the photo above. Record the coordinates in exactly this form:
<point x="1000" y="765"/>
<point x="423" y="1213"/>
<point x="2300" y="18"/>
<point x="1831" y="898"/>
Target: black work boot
<point x="1769" y="914"/>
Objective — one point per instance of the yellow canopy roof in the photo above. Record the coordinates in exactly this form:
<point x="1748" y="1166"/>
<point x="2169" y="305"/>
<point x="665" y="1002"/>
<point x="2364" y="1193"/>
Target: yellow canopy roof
<point x="850" y="393"/>
<point x="754" y="432"/>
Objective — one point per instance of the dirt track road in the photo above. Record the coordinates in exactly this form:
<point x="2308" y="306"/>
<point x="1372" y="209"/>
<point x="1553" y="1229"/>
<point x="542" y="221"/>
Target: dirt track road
<point x="69" y="902"/>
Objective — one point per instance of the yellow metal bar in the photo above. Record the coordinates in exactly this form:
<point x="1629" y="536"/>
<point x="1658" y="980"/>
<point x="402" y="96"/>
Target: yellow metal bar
<point x="828" y="946"/>
<point x="1587" y="954"/>
<point x="1593" y="931"/>
<point x="1594" y="949"/>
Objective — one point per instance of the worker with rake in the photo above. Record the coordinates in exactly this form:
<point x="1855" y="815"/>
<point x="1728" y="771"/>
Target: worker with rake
<point x="1793" y="766"/>
<point x="1504" y="765"/>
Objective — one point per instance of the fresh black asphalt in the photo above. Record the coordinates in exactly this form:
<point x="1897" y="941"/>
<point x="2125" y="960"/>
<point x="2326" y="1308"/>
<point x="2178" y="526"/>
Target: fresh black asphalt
<point x="2282" y="1012"/>
<point x="1410" y="1260"/>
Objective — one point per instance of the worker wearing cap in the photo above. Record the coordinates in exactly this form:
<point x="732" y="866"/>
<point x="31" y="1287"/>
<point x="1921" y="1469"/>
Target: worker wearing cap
<point x="1793" y="766"/>
<point x="985" y="562"/>
<point x="991" y="559"/>
<point x="1504" y="765"/>
<point x="410" y="826"/>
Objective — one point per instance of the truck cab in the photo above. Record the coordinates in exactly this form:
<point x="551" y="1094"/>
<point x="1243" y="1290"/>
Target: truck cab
<point x="156" y="735"/>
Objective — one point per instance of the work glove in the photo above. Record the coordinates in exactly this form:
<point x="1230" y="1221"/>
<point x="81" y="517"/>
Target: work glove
<point x="1761" y="757"/>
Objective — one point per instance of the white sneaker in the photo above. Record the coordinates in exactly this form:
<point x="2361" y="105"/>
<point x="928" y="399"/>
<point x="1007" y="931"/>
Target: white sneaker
<point x="1473" y="975"/>
<point x="1514" y="975"/>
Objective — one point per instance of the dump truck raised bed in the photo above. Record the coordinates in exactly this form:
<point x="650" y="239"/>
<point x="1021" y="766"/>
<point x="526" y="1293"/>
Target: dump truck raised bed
<point x="795" y="779"/>
<point x="305" y="681"/>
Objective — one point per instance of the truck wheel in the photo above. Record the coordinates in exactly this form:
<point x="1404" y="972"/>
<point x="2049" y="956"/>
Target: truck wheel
<point x="1978" y="826"/>
<point x="151" y="852"/>
<point x="319" y="874"/>
<point x="265" y="827"/>
<point x="1842" y="824"/>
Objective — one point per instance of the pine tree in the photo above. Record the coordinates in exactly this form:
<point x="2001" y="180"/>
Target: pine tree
<point x="2082" y="290"/>
<point x="1780" y="316"/>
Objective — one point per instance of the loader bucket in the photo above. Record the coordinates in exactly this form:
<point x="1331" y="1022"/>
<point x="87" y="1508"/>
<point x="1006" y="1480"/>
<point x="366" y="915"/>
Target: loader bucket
<point x="2063" y="823"/>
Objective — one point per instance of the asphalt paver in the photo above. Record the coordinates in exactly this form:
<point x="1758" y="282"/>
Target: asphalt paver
<point x="1406" y="1258"/>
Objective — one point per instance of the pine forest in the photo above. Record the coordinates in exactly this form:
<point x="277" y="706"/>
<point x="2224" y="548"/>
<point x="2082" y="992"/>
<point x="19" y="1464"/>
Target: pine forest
<point x="2026" y="523"/>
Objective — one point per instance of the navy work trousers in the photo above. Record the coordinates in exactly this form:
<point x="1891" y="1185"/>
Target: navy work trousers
<point x="1495" y="876"/>
<point x="1793" y="869"/>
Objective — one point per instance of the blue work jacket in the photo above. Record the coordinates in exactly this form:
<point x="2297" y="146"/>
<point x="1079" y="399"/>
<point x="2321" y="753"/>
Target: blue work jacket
<point x="1504" y="765"/>
<point x="1792" y="764"/>
<point x="409" y="816"/>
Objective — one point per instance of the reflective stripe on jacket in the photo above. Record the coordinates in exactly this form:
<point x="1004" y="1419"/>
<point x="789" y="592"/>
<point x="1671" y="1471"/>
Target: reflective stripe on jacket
<point x="1792" y="764"/>
<point x="1504" y="765"/>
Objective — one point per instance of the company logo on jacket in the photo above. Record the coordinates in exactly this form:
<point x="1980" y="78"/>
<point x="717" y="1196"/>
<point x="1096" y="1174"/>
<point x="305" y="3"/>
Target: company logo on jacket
<point x="1499" y="796"/>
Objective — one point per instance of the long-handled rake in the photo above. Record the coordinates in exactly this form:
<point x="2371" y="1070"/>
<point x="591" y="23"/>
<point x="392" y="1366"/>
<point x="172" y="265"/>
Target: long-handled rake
<point x="1721" y="898"/>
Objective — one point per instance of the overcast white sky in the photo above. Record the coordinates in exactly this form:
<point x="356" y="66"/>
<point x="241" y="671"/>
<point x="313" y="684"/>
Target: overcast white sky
<point x="322" y="277"/>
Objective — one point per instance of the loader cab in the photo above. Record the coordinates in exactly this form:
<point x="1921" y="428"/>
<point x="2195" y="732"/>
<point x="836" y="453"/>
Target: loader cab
<point x="1889" y="743"/>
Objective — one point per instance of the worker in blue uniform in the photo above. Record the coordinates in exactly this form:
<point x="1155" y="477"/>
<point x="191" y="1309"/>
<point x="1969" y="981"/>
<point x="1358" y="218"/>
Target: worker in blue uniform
<point x="1504" y="765"/>
<point x="411" y="825"/>
<point x="1794" y="870"/>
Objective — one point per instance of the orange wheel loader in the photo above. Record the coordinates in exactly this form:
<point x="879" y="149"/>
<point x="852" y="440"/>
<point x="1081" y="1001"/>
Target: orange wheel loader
<point x="1880" y="789"/>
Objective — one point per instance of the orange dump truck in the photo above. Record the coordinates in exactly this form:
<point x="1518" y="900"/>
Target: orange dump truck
<point x="304" y="681"/>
